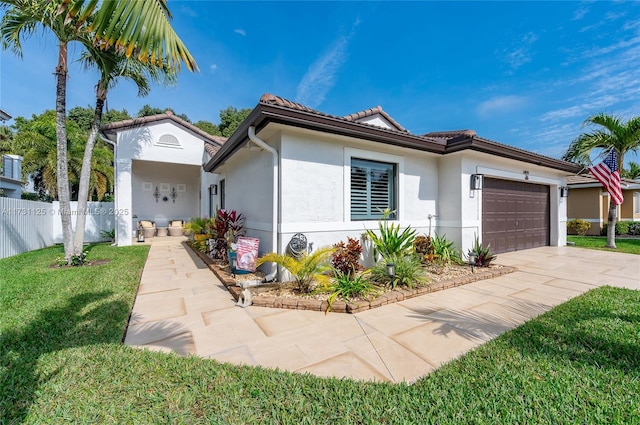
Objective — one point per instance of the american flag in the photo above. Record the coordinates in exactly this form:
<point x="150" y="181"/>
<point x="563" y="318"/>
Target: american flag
<point x="607" y="173"/>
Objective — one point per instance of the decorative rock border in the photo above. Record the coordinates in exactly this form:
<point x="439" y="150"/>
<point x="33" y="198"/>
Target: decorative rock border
<point x="352" y="307"/>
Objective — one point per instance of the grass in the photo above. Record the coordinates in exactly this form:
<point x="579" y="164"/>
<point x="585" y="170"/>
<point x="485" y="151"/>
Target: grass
<point x="62" y="360"/>
<point x="626" y="245"/>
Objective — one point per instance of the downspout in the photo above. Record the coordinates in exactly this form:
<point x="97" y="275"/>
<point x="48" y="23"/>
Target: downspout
<point x="255" y="139"/>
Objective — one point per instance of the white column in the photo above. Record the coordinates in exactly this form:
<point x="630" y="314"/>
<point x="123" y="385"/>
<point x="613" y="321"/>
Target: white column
<point x="123" y="203"/>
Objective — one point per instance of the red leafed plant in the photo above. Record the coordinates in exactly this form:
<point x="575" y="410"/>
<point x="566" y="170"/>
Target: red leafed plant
<point x="228" y="226"/>
<point x="346" y="258"/>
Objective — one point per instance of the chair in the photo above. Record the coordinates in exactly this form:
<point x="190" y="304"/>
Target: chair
<point x="176" y="228"/>
<point x="148" y="227"/>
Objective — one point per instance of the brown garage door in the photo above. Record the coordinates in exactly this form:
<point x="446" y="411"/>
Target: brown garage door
<point x="515" y="215"/>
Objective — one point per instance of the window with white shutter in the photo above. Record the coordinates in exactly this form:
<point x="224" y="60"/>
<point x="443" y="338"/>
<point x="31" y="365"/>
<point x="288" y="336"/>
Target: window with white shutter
<point x="372" y="189"/>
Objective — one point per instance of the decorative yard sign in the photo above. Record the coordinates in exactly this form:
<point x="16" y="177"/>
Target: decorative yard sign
<point x="247" y="253"/>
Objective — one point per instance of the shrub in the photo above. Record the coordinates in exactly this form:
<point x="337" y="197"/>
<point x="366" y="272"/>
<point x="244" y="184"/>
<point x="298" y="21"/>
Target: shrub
<point x="108" y="234"/>
<point x="346" y="258"/>
<point x="578" y="226"/>
<point x="445" y="251"/>
<point x="484" y="257"/>
<point x="308" y="271"/>
<point x="622" y="228"/>
<point x="347" y="286"/>
<point x="36" y="196"/>
<point x="228" y="226"/>
<point x="391" y="242"/>
<point x="634" y="229"/>
<point x="408" y="269"/>
<point x="424" y="248"/>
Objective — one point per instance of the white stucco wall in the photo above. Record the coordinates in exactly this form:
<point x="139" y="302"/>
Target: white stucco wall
<point x="137" y="146"/>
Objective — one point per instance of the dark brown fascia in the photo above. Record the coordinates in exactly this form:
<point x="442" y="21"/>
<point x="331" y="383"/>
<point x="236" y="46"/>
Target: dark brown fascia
<point x="264" y="114"/>
<point x="479" y="144"/>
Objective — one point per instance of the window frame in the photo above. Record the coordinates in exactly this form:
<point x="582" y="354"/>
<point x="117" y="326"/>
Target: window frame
<point x="397" y="162"/>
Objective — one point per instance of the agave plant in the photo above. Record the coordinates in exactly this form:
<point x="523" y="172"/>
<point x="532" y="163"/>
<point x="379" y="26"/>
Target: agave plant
<point x="484" y="257"/>
<point x="309" y="271"/>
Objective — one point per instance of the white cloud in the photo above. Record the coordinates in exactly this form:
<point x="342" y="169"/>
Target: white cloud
<point x="500" y="104"/>
<point x="580" y="13"/>
<point x="240" y="31"/>
<point x="321" y="75"/>
<point x="520" y="54"/>
<point x="213" y="67"/>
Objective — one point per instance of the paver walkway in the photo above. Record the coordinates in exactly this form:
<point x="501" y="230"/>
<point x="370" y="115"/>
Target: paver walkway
<point x="182" y="306"/>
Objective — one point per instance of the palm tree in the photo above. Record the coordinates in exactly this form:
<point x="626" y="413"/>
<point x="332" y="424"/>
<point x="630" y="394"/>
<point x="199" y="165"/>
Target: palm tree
<point x="111" y="65"/>
<point x="633" y="172"/>
<point x="141" y="26"/>
<point x="613" y="133"/>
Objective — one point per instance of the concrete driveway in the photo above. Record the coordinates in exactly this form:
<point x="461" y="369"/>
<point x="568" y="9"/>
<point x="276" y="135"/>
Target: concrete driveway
<point x="181" y="306"/>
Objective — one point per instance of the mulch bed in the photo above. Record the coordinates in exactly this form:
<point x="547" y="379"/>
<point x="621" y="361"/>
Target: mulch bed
<point x="221" y="270"/>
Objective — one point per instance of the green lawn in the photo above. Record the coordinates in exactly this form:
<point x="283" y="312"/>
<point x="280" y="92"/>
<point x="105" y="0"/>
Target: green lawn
<point x="62" y="360"/>
<point x="626" y="245"/>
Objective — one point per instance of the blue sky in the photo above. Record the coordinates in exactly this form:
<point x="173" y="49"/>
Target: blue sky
<point x="521" y="73"/>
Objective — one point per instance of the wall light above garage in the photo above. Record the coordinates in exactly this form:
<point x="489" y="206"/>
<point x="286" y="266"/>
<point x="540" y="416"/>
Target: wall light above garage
<point x="476" y="181"/>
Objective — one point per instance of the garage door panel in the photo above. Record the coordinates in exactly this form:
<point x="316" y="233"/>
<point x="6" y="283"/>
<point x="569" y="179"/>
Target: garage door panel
<point x="515" y="215"/>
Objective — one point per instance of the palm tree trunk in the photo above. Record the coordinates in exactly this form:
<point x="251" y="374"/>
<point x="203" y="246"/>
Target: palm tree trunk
<point x="61" y="136"/>
<point x="611" y="226"/>
<point x="85" y="173"/>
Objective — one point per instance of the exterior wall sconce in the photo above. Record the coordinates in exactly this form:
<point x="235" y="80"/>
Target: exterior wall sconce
<point x="476" y="181"/>
<point x="174" y="194"/>
<point x="391" y="271"/>
<point x="564" y="192"/>
<point x="526" y="174"/>
<point x="156" y="194"/>
<point x="213" y="189"/>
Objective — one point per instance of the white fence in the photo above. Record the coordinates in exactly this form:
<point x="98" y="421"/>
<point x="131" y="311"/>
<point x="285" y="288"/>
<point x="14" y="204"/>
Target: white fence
<point x="28" y="225"/>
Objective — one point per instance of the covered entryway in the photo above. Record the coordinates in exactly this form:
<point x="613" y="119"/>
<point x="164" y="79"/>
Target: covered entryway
<point x="515" y="215"/>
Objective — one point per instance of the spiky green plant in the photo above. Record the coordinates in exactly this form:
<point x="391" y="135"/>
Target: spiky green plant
<point x="308" y="271"/>
<point x="391" y="241"/>
<point x="445" y="250"/>
<point x="346" y="286"/>
<point x="408" y="271"/>
<point x="484" y="257"/>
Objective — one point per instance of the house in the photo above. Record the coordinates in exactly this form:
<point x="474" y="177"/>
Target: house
<point x="589" y="201"/>
<point x="11" y="176"/>
<point x="291" y="169"/>
<point x="158" y="171"/>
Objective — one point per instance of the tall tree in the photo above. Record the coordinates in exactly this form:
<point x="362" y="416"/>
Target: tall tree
<point x="112" y="66"/>
<point x="611" y="133"/>
<point x="35" y="140"/>
<point x="230" y="120"/>
<point x="141" y="27"/>
<point x="633" y="172"/>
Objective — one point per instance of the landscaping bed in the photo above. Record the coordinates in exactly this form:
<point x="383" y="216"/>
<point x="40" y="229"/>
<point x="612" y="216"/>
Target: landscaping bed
<point x="283" y="294"/>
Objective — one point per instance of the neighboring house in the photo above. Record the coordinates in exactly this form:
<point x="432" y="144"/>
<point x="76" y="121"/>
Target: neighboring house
<point x="158" y="171"/>
<point x="290" y="169"/>
<point x="11" y="176"/>
<point x="589" y="201"/>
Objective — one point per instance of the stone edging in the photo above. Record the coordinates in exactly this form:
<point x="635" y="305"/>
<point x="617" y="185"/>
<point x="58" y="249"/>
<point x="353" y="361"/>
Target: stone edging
<point x="352" y="307"/>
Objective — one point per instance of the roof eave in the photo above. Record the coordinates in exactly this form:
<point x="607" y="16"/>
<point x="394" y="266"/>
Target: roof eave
<point x="486" y="146"/>
<point x="264" y="114"/>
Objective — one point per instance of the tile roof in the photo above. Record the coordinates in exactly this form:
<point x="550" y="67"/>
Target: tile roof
<point x="588" y="179"/>
<point x="371" y="112"/>
<point x="277" y="109"/>
<point x="214" y="141"/>
<point x="271" y="99"/>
